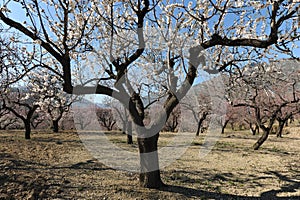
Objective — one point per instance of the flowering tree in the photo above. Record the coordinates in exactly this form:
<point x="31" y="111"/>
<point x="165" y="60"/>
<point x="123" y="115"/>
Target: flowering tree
<point x="52" y="100"/>
<point x="121" y="49"/>
<point x="269" y="91"/>
<point x="22" y="105"/>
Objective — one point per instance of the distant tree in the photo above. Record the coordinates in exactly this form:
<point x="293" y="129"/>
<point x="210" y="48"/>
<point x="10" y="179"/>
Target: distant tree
<point x="122" y="114"/>
<point x="173" y="121"/>
<point x="22" y="105"/>
<point x="268" y="90"/>
<point x="106" y="118"/>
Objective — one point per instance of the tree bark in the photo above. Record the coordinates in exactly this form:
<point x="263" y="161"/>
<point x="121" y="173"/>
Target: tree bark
<point x="55" y="126"/>
<point x="262" y="139"/>
<point x="27" y="130"/>
<point x="129" y="133"/>
<point x="150" y="173"/>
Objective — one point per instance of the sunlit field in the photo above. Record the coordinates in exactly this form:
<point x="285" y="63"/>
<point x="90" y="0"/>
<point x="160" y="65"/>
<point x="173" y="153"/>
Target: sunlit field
<point x="59" y="166"/>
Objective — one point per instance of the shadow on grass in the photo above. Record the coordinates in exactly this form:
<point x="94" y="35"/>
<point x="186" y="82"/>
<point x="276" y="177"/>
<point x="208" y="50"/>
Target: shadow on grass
<point x="292" y="184"/>
<point x="202" y="194"/>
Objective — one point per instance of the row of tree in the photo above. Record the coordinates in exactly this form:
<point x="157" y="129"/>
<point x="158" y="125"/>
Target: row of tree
<point x="133" y="49"/>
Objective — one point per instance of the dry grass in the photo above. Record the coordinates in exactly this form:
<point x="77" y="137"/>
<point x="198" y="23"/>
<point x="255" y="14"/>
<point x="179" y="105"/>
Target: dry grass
<point x="57" y="166"/>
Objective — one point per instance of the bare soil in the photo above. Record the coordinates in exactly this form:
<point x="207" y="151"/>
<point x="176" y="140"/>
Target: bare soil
<point x="57" y="166"/>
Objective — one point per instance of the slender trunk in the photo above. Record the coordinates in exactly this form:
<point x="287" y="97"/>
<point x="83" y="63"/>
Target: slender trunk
<point x="129" y="133"/>
<point x="198" y="128"/>
<point x="27" y="129"/>
<point x="262" y="139"/>
<point x="224" y="126"/>
<point x="55" y="126"/>
<point x="150" y="173"/>
<point x="280" y="128"/>
<point x="200" y="122"/>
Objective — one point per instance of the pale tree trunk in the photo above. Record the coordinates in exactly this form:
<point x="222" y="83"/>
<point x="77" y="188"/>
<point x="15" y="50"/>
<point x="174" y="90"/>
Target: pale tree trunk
<point x="150" y="173"/>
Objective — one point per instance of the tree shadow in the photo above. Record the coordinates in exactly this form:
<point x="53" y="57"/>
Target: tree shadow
<point x="291" y="186"/>
<point x="185" y="177"/>
<point x="202" y="194"/>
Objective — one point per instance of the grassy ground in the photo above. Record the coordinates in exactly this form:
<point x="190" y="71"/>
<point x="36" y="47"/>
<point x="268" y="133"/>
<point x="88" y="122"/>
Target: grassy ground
<point x="58" y="166"/>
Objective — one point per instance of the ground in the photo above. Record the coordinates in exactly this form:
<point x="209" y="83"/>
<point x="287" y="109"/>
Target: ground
<point x="58" y="166"/>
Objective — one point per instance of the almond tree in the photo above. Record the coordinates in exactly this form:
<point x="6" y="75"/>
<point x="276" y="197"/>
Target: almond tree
<point x="52" y="100"/>
<point x="98" y="46"/>
<point x="22" y="105"/>
<point x="268" y="90"/>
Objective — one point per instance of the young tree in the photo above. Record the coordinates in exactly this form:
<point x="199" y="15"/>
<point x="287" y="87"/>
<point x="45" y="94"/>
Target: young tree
<point x="127" y="37"/>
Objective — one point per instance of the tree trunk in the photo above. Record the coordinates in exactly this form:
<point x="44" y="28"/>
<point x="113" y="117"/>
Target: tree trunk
<point x="198" y="128"/>
<point x="129" y="133"/>
<point x="224" y="126"/>
<point x="27" y="130"/>
<point x="150" y="173"/>
<point x="280" y="128"/>
<point x="254" y="129"/>
<point x="262" y="139"/>
<point x="55" y="126"/>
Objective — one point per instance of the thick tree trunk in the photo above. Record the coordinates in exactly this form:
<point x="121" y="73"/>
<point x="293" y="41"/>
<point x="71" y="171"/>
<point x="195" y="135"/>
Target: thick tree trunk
<point x="150" y="173"/>
<point x="280" y="129"/>
<point x="262" y="139"/>
<point x="55" y="126"/>
<point x="129" y="133"/>
<point x="27" y="130"/>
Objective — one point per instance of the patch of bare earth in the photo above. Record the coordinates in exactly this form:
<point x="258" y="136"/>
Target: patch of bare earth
<point x="57" y="166"/>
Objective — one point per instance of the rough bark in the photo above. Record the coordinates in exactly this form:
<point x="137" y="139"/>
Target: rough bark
<point x="150" y="173"/>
